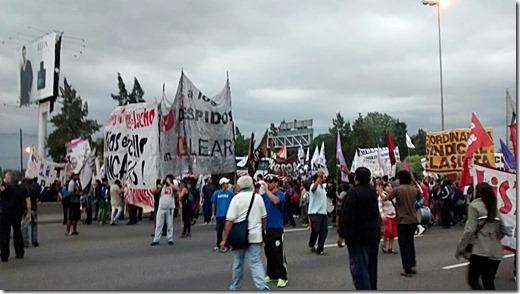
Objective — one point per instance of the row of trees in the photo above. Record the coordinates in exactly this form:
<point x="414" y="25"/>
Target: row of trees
<point x="365" y="132"/>
<point x="72" y="121"/>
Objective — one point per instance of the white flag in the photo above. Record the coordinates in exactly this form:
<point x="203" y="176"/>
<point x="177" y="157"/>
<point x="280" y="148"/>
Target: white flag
<point x="409" y="143"/>
<point x="322" y="161"/>
<point x="314" y="161"/>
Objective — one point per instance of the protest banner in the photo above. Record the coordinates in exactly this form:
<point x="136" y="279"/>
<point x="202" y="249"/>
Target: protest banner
<point x="284" y="167"/>
<point x="445" y="151"/>
<point x="504" y="186"/>
<point x="377" y="160"/>
<point x="197" y="133"/>
<point x="131" y="151"/>
<point x="77" y="151"/>
<point x="46" y="171"/>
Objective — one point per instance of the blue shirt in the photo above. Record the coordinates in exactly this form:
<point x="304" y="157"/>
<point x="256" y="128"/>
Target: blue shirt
<point x="274" y="218"/>
<point x="221" y="199"/>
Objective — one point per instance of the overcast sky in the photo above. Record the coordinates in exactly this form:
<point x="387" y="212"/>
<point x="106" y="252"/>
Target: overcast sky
<point x="286" y="59"/>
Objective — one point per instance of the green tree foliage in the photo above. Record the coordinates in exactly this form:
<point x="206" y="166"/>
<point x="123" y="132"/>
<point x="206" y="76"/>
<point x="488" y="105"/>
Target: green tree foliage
<point x="123" y="98"/>
<point x="241" y="143"/>
<point x="70" y="124"/>
<point x="419" y="140"/>
<point x="370" y="131"/>
<point x="414" y="164"/>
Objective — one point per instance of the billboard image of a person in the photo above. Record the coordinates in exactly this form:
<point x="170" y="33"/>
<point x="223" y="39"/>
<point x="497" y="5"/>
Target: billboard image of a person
<point x="26" y="79"/>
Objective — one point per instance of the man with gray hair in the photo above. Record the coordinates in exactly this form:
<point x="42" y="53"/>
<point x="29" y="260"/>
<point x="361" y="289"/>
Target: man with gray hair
<point x="237" y="212"/>
<point x="14" y="199"/>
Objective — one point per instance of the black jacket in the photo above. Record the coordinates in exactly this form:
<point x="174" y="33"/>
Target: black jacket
<point x="361" y="221"/>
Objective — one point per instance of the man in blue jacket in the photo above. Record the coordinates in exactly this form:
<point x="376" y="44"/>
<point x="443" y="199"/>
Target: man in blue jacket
<point x="274" y="200"/>
<point x="221" y="200"/>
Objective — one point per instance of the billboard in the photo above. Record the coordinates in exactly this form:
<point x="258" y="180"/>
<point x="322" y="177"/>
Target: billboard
<point x="38" y="70"/>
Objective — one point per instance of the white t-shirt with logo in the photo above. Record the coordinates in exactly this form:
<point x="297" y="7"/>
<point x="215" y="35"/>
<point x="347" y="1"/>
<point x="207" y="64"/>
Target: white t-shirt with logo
<point x="166" y="201"/>
<point x="238" y="210"/>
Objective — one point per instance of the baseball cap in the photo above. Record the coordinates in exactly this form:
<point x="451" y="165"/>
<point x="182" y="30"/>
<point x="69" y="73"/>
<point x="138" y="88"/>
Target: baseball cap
<point x="224" y="180"/>
<point x="271" y="178"/>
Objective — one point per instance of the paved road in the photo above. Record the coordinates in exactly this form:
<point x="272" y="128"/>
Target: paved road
<point x="120" y="258"/>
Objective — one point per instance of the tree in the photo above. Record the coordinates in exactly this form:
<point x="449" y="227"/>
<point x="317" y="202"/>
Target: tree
<point x="137" y="93"/>
<point x="70" y="124"/>
<point x="419" y="140"/>
<point x="123" y="98"/>
<point x="370" y="131"/>
<point x="414" y="164"/>
<point x="346" y="136"/>
<point x="241" y="143"/>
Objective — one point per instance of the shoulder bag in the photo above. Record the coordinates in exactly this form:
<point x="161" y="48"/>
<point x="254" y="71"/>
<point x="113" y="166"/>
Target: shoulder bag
<point x="238" y="237"/>
<point x="468" y="251"/>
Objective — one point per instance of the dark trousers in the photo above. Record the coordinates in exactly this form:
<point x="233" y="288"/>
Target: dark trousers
<point x="207" y="211"/>
<point x="446" y="214"/>
<point x="88" y="220"/>
<point x="319" y="228"/>
<point x="407" y="246"/>
<point x="485" y="268"/>
<point x="288" y="214"/>
<point x="96" y="209"/>
<point x="186" y="219"/>
<point x="221" y="222"/>
<point x="65" y="203"/>
<point x="139" y="213"/>
<point x="363" y="266"/>
<point x="8" y="220"/>
<point x="275" y="253"/>
<point x="132" y="213"/>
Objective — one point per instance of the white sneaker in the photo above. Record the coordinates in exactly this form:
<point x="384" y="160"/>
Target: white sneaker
<point x="216" y="248"/>
<point x="421" y="230"/>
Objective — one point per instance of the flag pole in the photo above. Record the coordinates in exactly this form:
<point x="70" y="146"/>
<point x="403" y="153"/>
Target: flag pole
<point x="338" y="167"/>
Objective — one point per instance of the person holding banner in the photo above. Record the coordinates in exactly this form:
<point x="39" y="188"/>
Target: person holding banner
<point x="483" y="230"/>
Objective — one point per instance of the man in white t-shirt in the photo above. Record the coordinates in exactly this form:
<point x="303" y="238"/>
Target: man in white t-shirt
<point x="256" y="223"/>
<point x="165" y="211"/>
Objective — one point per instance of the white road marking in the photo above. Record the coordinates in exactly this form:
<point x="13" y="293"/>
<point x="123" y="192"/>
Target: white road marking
<point x="299" y="230"/>
<point x="466" y="263"/>
<point x="335" y="245"/>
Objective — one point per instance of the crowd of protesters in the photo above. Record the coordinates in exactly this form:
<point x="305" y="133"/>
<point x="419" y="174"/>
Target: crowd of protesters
<point x="366" y="210"/>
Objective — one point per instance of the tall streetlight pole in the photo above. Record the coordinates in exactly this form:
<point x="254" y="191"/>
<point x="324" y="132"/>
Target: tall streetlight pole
<point x="437" y="3"/>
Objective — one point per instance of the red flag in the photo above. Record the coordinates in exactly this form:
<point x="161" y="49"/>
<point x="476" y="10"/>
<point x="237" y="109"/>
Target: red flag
<point x="512" y="130"/>
<point x="391" y="148"/>
<point x="282" y="153"/>
<point x="405" y="166"/>
<point x="477" y="138"/>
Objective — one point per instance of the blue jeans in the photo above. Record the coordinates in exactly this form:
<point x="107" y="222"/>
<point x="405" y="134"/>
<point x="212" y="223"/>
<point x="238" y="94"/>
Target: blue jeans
<point x="255" y="263"/>
<point x="363" y="266"/>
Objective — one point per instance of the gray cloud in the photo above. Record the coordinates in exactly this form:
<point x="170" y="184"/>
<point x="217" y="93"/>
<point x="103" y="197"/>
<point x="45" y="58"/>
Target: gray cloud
<point x="286" y="59"/>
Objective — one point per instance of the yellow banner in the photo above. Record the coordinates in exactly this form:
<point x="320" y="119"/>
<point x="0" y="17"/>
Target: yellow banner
<point x="445" y="151"/>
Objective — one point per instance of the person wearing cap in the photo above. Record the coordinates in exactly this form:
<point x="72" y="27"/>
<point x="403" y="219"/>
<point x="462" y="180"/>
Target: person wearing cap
<point x="274" y="200"/>
<point x="318" y="214"/>
<point x="221" y="200"/>
<point x="256" y="224"/>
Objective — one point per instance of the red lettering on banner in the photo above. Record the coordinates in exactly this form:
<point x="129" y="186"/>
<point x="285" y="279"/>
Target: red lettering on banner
<point x="507" y="203"/>
<point x="181" y="142"/>
<point x="140" y="119"/>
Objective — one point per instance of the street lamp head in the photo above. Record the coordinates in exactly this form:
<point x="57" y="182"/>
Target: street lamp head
<point x="441" y="3"/>
<point x="27" y="150"/>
